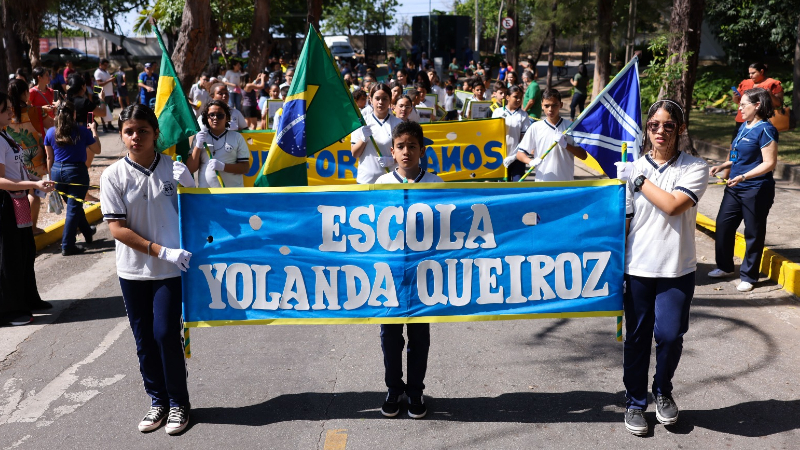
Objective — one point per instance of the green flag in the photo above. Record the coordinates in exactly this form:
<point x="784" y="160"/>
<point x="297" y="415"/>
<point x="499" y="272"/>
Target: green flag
<point x="318" y="111"/>
<point x="176" y="122"/>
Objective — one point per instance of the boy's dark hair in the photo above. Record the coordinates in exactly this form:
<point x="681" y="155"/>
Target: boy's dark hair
<point x="551" y="94"/>
<point x="103" y="61"/>
<point x="284" y="91"/>
<point x="499" y="86"/>
<point x="220" y="104"/>
<point x="477" y="82"/>
<point x="408" y="127"/>
<point x="449" y="86"/>
<point x="359" y="94"/>
<point x="765" y="110"/>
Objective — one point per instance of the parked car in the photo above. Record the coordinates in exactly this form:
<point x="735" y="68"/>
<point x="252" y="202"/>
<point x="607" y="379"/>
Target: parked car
<point x="79" y="58"/>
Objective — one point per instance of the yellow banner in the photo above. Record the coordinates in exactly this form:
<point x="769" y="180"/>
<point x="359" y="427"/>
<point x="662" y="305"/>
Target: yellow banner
<point x="457" y="151"/>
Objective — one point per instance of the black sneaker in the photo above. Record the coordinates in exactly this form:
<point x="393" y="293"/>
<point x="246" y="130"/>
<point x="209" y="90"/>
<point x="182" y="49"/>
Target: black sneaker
<point x="17" y="318"/>
<point x="90" y="237"/>
<point x="41" y="304"/>
<point x="153" y="419"/>
<point x="73" y="250"/>
<point x="416" y="407"/>
<point x="111" y="127"/>
<point x="177" y="420"/>
<point x="666" y="410"/>
<point x="635" y="422"/>
<point x="391" y="406"/>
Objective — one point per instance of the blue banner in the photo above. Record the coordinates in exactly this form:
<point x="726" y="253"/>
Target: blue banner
<point x="403" y="253"/>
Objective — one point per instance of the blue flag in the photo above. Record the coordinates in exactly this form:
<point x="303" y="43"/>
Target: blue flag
<point x="613" y="118"/>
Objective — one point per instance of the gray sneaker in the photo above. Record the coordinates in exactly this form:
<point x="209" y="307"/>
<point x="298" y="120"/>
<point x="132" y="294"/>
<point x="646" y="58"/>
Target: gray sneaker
<point x="635" y="422"/>
<point x="666" y="410"/>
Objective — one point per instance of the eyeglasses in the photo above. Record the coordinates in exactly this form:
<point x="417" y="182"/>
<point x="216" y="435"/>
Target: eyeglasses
<point x="653" y="126"/>
<point x="743" y="104"/>
<point x="216" y="115"/>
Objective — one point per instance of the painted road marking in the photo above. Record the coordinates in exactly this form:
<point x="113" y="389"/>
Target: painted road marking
<point x="32" y="408"/>
<point x="335" y="440"/>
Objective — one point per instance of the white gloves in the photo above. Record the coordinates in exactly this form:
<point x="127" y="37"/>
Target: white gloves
<point x="564" y="140"/>
<point x="625" y="170"/>
<point x="534" y="162"/>
<point x="508" y="160"/>
<point x="176" y="256"/>
<point x="200" y="138"/>
<point x="216" y="164"/>
<point x="385" y="161"/>
<point x="211" y="176"/>
<point x="182" y="175"/>
<point x="366" y="131"/>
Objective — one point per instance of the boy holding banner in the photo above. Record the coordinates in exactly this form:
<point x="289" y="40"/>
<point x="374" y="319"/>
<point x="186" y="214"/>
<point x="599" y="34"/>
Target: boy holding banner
<point x="517" y="124"/>
<point x="406" y="150"/>
<point x="560" y="164"/>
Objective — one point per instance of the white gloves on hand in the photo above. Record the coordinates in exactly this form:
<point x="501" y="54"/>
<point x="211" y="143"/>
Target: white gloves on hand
<point x="211" y="176"/>
<point x="200" y="138"/>
<point x="366" y="131"/>
<point x="534" y="162"/>
<point x="562" y="141"/>
<point x="625" y="170"/>
<point x="176" y="256"/>
<point x="216" y="164"/>
<point x="385" y="161"/>
<point x="182" y="175"/>
<point x="508" y="160"/>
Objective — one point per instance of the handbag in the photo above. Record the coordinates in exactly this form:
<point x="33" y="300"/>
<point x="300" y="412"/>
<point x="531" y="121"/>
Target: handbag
<point x="784" y="119"/>
<point x="54" y="203"/>
<point x="22" y="208"/>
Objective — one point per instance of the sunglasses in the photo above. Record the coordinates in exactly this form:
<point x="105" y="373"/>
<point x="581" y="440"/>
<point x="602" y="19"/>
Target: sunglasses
<point x="217" y="116"/>
<point x="654" y="126"/>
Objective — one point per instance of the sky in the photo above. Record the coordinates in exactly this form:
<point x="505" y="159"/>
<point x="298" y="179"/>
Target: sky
<point x="406" y="9"/>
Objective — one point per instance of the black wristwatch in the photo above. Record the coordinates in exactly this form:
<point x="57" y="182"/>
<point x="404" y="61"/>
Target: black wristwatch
<point x="638" y="182"/>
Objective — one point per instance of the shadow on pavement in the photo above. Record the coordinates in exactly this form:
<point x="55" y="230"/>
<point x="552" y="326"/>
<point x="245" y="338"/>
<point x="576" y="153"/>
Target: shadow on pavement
<point x="87" y="309"/>
<point x="749" y="419"/>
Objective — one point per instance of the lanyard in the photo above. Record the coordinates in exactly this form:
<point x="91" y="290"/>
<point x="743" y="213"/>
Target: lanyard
<point x="741" y="136"/>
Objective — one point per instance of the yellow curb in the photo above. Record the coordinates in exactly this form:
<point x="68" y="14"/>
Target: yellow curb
<point x="778" y="268"/>
<point x="54" y="232"/>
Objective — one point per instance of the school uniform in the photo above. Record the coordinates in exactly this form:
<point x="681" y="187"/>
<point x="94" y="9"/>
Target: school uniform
<point x="368" y="168"/>
<point x="517" y="124"/>
<point x="559" y="165"/>
<point x="419" y="334"/>
<point x="147" y="199"/>
<point x="228" y="148"/>
<point x="749" y="200"/>
<point x="660" y="265"/>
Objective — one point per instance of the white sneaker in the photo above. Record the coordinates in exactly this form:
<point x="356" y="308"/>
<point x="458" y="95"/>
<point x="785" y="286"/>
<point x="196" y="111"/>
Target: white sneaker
<point x="719" y="273"/>
<point x="744" y="286"/>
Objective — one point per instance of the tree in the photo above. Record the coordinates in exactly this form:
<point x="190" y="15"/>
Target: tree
<point x="602" y="61"/>
<point x="684" y="42"/>
<point x="551" y="55"/>
<point x="261" y="42"/>
<point x="195" y="41"/>
<point x="796" y="77"/>
<point x="167" y="13"/>
<point x="25" y="19"/>
<point x="3" y="62"/>
<point x="345" y="17"/>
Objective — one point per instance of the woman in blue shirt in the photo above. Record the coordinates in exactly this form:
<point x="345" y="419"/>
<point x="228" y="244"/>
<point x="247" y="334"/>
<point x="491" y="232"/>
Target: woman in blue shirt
<point x="750" y="191"/>
<point x="66" y="145"/>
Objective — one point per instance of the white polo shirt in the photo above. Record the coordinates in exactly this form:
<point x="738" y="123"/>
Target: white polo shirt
<point x="559" y="165"/>
<point x="517" y="124"/>
<point x="228" y="148"/>
<point x="396" y="178"/>
<point x="237" y="121"/>
<point x="11" y="158"/>
<point x="368" y="168"/>
<point x="659" y="245"/>
<point x="147" y="199"/>
<point x="103" y="76"/>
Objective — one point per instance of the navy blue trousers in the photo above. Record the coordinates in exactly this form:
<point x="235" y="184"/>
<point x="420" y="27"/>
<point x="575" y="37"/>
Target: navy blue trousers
<point x="154" y="311"/>
<point x="654" y="307"/>
<point x="393" y="344"/>
<point x="752" y="205"/>
<point x="76" y="218"/>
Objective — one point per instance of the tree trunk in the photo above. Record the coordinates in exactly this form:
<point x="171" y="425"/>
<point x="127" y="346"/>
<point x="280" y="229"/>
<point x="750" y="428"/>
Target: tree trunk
<point x="551" y="54"/>
<point x="3" y="62"/>
<point x="14" y="45"/>
<point x="602" y="64"/>
<point x="195" y="41"/>
<point x="512" y="37"/>
<point x="260" y="38"/>
<point x="684" y="41"/>
<point x="314" y="13"/>
<point x="796" y="90"/>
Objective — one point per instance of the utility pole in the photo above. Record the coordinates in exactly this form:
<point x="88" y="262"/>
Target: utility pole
<point x="631" y="38"/>
<point x="477" y="32"/>
<point x="499" y="18"/>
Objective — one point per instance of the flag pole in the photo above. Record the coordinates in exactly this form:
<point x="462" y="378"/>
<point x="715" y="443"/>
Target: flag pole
<point x="352" y="101"/>
<point x="208" y="152"/>
<point x="619" y="318"/>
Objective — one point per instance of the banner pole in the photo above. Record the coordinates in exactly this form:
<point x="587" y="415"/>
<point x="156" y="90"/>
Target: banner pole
<point x="619" y="318"/>
<point x="208" y="152"/>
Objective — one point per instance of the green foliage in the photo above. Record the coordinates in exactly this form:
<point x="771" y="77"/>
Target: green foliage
<point x="662" y="70"/>
<point x="714" y="84"/>
<point x="66" y="32"/>
<point x="751" y="30"/>
<point x="354" y="17"/>
<point x="168" y="15"/>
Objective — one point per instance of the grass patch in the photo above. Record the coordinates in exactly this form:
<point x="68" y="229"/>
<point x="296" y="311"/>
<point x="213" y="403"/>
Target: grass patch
<point x="718" y="129"/>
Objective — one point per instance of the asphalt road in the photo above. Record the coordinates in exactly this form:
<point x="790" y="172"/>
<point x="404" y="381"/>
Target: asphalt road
<point x="71" y="379"/>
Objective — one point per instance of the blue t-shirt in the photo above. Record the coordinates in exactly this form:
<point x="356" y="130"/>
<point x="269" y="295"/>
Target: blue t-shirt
<point x="148" y="80"/>
<point x="502" y="74"/>
<point x="75" y="153"/>
<point x="746" y="152"/>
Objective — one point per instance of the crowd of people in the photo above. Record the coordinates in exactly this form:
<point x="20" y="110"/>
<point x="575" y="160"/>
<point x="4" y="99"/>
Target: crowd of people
<point x="664" y="187"/>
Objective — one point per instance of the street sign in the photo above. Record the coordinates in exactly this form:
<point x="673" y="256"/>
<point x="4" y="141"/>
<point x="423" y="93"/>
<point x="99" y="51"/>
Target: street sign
<point x="507" y="23"/>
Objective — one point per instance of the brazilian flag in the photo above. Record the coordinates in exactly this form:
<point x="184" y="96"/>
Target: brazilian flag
<point x="318" y="111"/>
<point x="176" y="121"/>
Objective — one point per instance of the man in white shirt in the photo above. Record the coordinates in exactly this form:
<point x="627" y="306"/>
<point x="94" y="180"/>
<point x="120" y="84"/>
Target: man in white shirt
<point x="104" y="81"/>
<point x="559" y="164"/>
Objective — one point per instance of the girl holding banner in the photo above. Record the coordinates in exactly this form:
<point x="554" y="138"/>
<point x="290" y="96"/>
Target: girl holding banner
<point x="664" y="187"/>
<point x="374" y="162"/>
<point x="139" y="201"/>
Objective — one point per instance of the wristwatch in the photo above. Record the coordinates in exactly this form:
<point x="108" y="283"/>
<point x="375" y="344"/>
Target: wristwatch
<point x="638" y="182"/>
